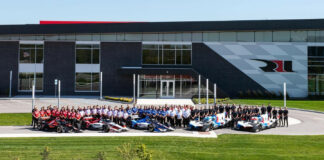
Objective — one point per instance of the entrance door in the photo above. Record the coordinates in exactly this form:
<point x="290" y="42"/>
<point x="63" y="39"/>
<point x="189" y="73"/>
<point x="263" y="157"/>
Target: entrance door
<point x="167" y="88"/>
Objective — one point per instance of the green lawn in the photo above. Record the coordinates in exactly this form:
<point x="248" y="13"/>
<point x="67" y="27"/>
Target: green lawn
<point x="15" y="119"/>
<point x="303" y="104"/>
<point x="224" y="147"/>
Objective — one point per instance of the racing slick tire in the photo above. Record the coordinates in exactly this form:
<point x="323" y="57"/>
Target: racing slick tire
<point x="60" y="129"/>
<point x="207" y="128"/>
<point x="150" y="128"/>
<point x="105" y="128"/>
<point x="258" y="128"/>
<point x="274" y="125"/>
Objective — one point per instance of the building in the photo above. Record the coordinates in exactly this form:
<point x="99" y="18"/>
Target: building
<point x="255" y="56"/>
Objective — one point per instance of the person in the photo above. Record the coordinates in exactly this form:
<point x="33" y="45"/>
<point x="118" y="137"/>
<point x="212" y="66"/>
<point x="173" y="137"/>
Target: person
<point x="227" y="110"/>
<point x="274" y="113"/>
<point x="172" y="116"/>
<point x="234" y="118"/>
<point x="221" y="108"/>
<point x="179" y="117"/>
<point x="163" y="114"/>
<point x="186" y="115"/>
<point x="285" y="114"/>
<point x="263" y="109"/>
<point x="36" y="116"/>
<point x="280" y="117"/>
<point x="269" y="109"/>
<point x="120" y="115"/>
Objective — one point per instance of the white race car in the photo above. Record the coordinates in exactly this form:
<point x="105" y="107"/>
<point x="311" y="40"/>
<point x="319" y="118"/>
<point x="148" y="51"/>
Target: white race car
<point x="107" y="125"/>
<point x="210" y="123"/>
<point x="257" y="124"/>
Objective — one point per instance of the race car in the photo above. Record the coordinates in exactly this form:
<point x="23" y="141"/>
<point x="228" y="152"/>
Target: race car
<point x="105" y="125"/>
<point x="60" y="125"/>
<point x="156" y="126"/>
<point x="210" y="123"/>
<point x="139" y="123"/>
<point x="256" y="124"/>
<point x="151" y="125"/>
<point x="87" y="122"/>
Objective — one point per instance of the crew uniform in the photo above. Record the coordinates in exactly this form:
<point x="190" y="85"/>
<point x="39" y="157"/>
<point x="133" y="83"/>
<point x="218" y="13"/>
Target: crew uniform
<point x="269" y="109"/>
<point x="280" y="117"/>
<point x="285" y="113"/>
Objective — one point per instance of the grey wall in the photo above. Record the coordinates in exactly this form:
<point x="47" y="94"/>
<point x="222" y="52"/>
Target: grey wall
<point x="59" y="62"/>
<point x="218" y="70"/>
<point x="114" y="55"/>
<point x="8" y="61"/>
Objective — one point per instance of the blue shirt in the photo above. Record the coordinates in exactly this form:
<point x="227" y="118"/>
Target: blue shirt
<point x="163" y="113"/>
<point x="154" y="112"/>
<point x="134" y="109"/>
<point x="129" y="111"/>
<point x="140" y="111"/>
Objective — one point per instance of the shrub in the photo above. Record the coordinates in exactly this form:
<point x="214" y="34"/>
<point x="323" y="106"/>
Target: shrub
<point x="128" y="152"/>
<point x="45" y="154"/>
<point x="101" y="156"/>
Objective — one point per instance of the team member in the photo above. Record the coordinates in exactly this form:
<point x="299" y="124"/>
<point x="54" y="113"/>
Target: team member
<point x="120" y="115"/>
<point x="280" y="117"/>
<point x="227" y="110"/>
<point x="285" y="116"/>
<point x="234" y="118"/>
<point x="179" y="117"/>
<point x="269" y="109"/>
<point x="163" y="115"/>
<point x="36" y="116"/>
<point x="263" y="109"/>
<point x="186" y="115"/>
<point x="274" y="113"/>
<point x="172" y="116"/>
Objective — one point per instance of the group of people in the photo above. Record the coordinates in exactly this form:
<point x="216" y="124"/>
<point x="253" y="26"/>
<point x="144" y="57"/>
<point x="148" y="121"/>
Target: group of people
<point x="176" y="115"/>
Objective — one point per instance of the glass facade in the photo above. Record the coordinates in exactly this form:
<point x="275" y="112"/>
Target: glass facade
<point x="85" y="80"/>
<point x="166" y="54"/>
<point x="168" y="86"/>
<point x="316" y="70"/>
<point x="31" y="59"/>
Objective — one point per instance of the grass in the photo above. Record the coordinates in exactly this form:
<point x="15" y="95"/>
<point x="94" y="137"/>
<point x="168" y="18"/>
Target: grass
<point x="15" y="119"/>
<point x="224" y="147"/>
<point x="302" y="104"/>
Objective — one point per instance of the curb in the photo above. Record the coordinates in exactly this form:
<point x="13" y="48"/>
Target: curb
<point x="306" y="110"/>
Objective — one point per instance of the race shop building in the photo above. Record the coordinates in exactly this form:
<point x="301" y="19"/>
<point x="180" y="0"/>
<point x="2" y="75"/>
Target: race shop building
<point x="166" y="57"/>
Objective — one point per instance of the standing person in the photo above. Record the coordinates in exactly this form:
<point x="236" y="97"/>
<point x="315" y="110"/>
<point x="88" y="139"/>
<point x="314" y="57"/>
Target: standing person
<point x="186" y="115"/>
<point x="36" y="116"/>
<point x="120" y="115"/>
<point x="263" y="109"/>
<point x="269" y="110"/>
<point x="274" y="113"/>
<point x="280" y="117"/>
<point x="163" y="115"/>
<point x="221" y="108"/>
<point x="234" y="118"/>
<point x="172" y="117"/>
<point x="227" y="111"/>
<point x="285" y="114"/>
<point x="179" y="117"/>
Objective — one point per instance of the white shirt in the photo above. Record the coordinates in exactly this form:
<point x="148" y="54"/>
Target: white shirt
<point x="88" y="112"/>
<point x="125" y="115"/>
<point x="94" y="111"/>
<point x="179" y="114"/>
<point x="120" y="114"/>
<point x="186" y="113"/>
<point x="115" y="113"/>
<point x="172" y="113"/>
<point x="168" y="112"/>
<point x="82" y="113"/>
<point x="105" y="111"/>
<point x="110" y="113"/>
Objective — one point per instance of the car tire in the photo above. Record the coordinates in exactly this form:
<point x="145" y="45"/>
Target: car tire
<point x="150" y="128"/>
<point x="106" y="128"/>
<point x="59" y="129"/>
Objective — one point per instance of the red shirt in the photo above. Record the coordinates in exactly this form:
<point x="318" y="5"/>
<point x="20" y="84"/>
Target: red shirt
<point x="42" y="113"/>
<point x="54" y="112"/>
<point x="78" y="116"/>
<point x="36" y="114"/>
<point x="48" y="112"/>
<point x="64" y="113"/>
<point x="57" y="113"/>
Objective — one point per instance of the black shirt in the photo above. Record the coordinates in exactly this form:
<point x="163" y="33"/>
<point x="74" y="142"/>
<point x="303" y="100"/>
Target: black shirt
<point x="256" y="110"/>
<point x="233" y="108"/>
<point x="280" y="112"/>
<point x="263" y="110"/>
<point x="227" y="108"/>
<point x="274" y="112"/>
<point x="269" y="108"/>
<point x="234" y="114"/>
<point x="285" y="112"/>
<point x="221" y="109"/>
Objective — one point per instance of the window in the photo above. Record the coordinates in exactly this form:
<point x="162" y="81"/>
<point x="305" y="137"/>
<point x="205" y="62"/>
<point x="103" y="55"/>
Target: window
<point x="31" y="59"/>
<point x="31" y="53"/>
<point x="87" y="54"/>
<point x="26" y="81"/>
<point x="281" y="36"/>
<point x="166" y="54"/>
<point x="87" y="82"/>
<point x="245" y="36"/>
<point x="316" y="70"/>
<point x="87" y="67"/>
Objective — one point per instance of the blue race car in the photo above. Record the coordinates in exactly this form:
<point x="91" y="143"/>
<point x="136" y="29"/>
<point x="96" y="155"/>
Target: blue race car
<point x="151" y="125"/>
<point x="256" y="124"/>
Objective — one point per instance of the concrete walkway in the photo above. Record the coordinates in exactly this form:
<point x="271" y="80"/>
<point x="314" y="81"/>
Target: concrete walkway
<point x="143" y="101"/>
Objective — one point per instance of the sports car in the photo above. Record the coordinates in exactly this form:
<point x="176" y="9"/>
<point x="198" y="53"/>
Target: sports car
<point x="256" y="124"/>
<point x="210" y="123"/>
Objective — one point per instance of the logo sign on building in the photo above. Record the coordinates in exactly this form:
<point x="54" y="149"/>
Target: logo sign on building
<point x="276" y="65"/>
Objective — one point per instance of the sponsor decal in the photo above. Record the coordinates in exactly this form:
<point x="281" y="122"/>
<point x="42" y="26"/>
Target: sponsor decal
<point x="276" y="65"/>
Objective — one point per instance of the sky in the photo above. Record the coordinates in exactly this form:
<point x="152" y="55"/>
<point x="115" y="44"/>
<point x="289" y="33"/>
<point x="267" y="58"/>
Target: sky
<point x="32" y="11"/>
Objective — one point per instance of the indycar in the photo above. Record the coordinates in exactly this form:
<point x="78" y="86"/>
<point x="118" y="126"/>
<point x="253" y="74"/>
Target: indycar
<point x="60" y="125"/>
<point x="88" y="123"/>
<point x="210" y="123"/>
<point x="151" y="125"/>
<point x="256" y="124"/>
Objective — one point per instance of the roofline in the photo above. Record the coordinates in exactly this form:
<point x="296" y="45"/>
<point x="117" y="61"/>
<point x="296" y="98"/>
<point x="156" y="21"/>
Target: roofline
<point x="185" y="26"/>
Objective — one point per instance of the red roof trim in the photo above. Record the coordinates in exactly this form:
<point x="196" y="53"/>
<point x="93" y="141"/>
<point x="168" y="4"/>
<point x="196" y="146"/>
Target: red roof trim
<point x="83" y="22"/>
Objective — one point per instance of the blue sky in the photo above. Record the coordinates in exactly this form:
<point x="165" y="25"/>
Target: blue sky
<point x="31" y="11"/>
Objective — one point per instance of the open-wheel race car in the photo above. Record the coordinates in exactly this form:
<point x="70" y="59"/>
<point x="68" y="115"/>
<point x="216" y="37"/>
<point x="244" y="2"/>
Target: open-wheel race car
<point x="105" y="125"/>
<point x="256" y="124"/>
<point x="151" y="125"/>
<point x="210" y="123"/>
<point x="60" y="125"/>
